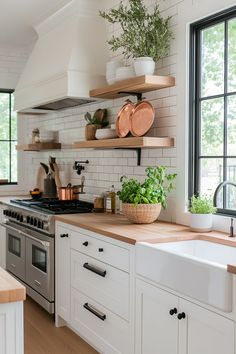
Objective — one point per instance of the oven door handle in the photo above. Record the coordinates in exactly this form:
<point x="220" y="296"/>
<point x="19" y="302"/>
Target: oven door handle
<point x="44" y="243"/>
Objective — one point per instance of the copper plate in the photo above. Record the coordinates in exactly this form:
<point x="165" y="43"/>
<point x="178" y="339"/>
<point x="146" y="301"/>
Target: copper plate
<point x="142" y="118"/>
<point x="123" y="120"/>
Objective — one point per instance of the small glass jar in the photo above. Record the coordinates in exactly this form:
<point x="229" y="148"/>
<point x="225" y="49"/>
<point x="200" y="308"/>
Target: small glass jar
<point x="98" y="201"/>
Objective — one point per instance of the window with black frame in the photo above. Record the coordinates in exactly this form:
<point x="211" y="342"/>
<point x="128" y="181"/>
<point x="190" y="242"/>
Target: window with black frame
<point x="213" y="108"/>
<point x="8" y="138"/>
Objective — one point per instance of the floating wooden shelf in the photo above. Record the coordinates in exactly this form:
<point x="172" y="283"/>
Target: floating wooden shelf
<point x="126" y="143"/>
<point x="136" y="85"/>
<point x="38" y="147"/>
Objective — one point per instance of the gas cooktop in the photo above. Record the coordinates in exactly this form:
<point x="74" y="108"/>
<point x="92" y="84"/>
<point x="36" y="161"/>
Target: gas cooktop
<point x="56" y="206"/>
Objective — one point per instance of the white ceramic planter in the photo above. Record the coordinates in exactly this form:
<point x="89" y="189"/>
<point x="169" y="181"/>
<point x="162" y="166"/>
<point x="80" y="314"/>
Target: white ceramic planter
<point x="201" y="222"/>
<point x="144" y="66"/>
<point x="111" y="67"/>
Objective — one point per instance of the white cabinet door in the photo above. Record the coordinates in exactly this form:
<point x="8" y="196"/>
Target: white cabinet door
<point x="156" y="329"/>
<point x="203" y="331"/>
<point x="62" y="271"/>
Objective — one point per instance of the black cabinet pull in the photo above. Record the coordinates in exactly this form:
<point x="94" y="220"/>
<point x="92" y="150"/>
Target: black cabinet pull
<point x="85" y="244"/>
<point x="181" y="316"/>
<point x="91" y="309"/>
<point x="100" y="250"/>
<point x="64" y="235"/>
<point x="173" y="311"/>
<point x="93" y="269"/>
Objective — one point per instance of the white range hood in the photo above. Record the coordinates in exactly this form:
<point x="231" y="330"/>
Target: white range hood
<point x="67" y="61"/>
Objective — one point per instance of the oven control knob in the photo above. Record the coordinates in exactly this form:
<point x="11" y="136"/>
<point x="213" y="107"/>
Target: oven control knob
<point x="39" y="224"/>
<point x="13" y="214"/>
<point x="35" y="222"/>
<point x="28" y="219"/>
<point x="21" y="218"/>
<point x="17" y="217"/>
<point x="5" y="212"/>
<point x="9" y="213"/>
<point x="31" y="221"/>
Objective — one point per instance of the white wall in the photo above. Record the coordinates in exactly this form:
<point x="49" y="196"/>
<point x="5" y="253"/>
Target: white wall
<point x="171" y="108"/>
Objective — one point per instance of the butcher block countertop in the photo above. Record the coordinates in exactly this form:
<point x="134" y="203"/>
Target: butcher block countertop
<point x="119" y="228"/>
<point x="10" y="289"/>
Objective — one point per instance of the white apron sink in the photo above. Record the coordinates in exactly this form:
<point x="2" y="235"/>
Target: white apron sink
<point x="195" y="268"/>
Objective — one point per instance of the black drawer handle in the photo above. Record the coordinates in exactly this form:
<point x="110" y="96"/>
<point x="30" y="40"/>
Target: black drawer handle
<point x="94" y="311"/>
<point x="173" y="311"/>
<point x="64" y="235"/>
<point x="100" y="250"/>
<point x="85" y="244"/>
<point x="181" y="316"/>
<point x="93" y="269"/>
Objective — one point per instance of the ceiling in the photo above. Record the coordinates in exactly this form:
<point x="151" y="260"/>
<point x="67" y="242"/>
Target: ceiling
<point x="17" y="18"/>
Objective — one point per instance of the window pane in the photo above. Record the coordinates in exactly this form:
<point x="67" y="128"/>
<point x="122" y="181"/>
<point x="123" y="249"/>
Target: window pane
<point x="231" y="126"/>
<point x="212" y="57"/>
<point x="212" y="127"/>
<point x="4" y="160"/>
<point x="232" y="55"/>
<point x="231" y="190"/>
<point x="211" y="174"/>
<point x="4" y="116"/>
<point x="13" y="162"/>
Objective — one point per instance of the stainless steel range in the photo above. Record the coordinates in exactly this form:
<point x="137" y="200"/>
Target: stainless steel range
<point x="30" y="229"/>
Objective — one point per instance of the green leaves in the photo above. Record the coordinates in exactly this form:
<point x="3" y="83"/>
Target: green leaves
<point x="201" y="205"/>
<point x="143" y="34"/>
<point x="152" y="191"/>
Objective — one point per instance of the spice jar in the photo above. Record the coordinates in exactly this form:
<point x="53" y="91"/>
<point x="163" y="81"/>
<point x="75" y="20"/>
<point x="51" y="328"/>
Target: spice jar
<point x="98" y="201"/>
<point x="35" y="136"/>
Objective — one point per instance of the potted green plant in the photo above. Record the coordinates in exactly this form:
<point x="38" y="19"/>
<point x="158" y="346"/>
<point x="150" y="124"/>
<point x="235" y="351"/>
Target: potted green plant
<point x="201" y="209"/>
<point x="98" y="120"/>
<point x="144" y="36"/>
<point x="142" y="202"/>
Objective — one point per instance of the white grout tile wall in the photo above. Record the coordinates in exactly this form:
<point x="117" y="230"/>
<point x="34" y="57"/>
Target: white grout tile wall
<point x="107" y="166"/>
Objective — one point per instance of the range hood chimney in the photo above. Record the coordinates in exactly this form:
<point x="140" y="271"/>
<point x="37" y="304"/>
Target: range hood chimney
<point x="67" y="61"/>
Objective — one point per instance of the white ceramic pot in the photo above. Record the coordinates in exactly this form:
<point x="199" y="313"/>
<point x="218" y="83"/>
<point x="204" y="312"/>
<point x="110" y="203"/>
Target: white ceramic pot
<point x="111" y="67"/>
<point x="201" y="222"/>
<point x="144" y="66"/>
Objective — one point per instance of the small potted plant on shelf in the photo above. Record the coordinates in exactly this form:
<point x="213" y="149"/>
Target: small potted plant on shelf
<point x="144" y="36"/>
<point x="201" y="209"/>
<point x="98" y="120"/>
<point x="142" y="202"/>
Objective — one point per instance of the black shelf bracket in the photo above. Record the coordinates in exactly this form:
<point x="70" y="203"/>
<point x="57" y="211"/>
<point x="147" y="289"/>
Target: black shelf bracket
<point x="138" y="95"/>
<point x="138" y="151"/>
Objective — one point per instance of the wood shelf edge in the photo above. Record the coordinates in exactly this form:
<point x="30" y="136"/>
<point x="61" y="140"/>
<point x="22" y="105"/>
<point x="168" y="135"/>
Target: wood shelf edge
<point x="38" y="147"/>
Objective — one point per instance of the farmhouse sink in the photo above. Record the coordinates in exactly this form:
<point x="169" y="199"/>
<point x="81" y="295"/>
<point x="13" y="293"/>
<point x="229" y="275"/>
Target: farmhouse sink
<point x="195" y="268"/>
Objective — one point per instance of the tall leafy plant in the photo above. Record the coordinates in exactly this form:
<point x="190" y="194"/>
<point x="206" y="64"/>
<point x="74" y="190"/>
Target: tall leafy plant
<point x="143" y="34"/>
<point x="152" y="191"/>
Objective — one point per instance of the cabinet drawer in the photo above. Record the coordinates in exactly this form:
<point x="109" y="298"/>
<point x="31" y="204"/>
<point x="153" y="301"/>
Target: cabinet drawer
<point x="101" y="250"/>
<point x="109" y="286"/>
<point x="103" y="329"/>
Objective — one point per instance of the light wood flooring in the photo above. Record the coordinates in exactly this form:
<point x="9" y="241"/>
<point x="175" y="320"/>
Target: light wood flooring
<point x="42" y="337"/>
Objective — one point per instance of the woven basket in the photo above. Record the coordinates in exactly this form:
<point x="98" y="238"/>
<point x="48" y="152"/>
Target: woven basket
<point x="141" y="213"/>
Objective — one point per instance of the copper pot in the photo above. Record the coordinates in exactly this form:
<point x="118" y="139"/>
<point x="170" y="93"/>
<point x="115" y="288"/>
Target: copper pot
<point x="69" y="192"/>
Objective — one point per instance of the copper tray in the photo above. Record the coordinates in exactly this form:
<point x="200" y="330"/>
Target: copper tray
<point x="142" y="118"/>
<point x="123" y="125"/>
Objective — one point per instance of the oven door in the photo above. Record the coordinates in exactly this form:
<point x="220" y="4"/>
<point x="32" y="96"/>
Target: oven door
<point x="15" y="253"/>
<point x="40" y="266"/>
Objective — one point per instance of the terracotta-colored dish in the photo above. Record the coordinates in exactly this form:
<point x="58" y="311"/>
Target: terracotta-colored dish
<point x="123" y="119"/>
<point x="142" y="118"/>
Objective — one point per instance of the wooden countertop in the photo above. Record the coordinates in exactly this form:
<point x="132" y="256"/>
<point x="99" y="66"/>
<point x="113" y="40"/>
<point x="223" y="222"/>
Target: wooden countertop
<point x="10" y="289"/>
<point x="119" y="228"/>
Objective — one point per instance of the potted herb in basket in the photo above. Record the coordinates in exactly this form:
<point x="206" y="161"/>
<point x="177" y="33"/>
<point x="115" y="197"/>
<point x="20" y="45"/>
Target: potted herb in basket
<point x="144" y="36"/>
<point x="98" y="120"/>
<point x="201" y="209"/>
<point x="142" y="202"/>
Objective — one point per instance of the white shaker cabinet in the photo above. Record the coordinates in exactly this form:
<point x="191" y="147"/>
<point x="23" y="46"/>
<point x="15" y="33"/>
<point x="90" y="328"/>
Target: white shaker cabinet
<point x="160" y="329"/>
<point x="2" y="241"/>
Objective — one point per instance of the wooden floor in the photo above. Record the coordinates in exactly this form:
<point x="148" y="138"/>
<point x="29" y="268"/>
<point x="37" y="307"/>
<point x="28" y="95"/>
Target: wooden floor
<point x="42" y="337"/>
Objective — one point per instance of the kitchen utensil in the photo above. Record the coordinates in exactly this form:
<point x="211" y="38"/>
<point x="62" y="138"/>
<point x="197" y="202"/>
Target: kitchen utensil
<point x="100" y="114"/>
<point x="50" y="189"/>
<point x="66" y="193"/>
<point x="106" y="134"/>
<point x="123" y="119"/>
<point x="45" y="167"/>
<point x="56" y="175"/>
<point x="36" y="193"/>
<point x="141" y="119"/>
<point x="40" y="178"/>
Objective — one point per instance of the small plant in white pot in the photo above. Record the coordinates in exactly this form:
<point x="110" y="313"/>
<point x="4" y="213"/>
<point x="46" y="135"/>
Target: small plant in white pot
<point x="201" y="209"/>
<point x="144" y="36"/>
<point x="142" y="202"/>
